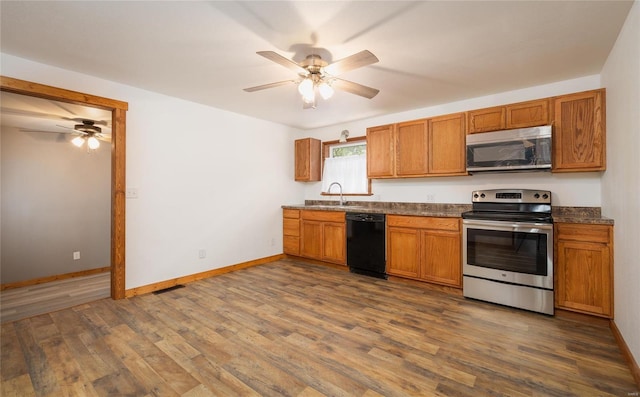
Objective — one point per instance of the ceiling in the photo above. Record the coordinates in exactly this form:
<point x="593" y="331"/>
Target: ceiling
<point x="430" y="52"/>
<point x="36" y="115"/>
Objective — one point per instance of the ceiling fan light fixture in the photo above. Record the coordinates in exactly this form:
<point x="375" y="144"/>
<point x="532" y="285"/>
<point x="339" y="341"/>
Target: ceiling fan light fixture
<point x="318" y="75"/>
<point x="78" y="141"/>
<point x="93" y="143"/>
<point x="305" y="88"/>
<point x="309" y="99"/>
<point x="326" y="91"/>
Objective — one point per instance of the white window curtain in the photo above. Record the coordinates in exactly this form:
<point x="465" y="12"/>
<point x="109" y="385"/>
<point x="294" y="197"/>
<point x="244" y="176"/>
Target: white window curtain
<point x="350" y="172"/>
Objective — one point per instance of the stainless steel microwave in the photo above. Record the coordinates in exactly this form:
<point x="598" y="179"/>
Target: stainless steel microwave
<point x="524" y="149"/>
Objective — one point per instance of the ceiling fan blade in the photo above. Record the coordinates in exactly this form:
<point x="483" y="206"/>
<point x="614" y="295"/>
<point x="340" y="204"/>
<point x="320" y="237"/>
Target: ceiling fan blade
<point x="363" y="58"/>
<point x="73" y="130"/>
<point x="279" y="59"/>
<point x="80" y="120"/>
<point x="44" y="131"/>
<point x="105" y="138"/>
<point x="29" y="113"/>
<point x="270" y="85"/>
<point x="354" y="88"/>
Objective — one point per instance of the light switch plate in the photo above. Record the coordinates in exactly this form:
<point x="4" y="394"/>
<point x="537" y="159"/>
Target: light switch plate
<point x="132" y="192"/>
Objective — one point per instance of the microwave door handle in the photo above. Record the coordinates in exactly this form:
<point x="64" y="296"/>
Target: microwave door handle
<point x="517" y="228"/>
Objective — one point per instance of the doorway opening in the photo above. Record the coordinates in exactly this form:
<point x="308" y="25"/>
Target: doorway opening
<point x="118" y="111"/>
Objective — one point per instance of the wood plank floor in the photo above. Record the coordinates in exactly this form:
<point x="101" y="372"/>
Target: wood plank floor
<point x="294" y="329"/>
<point x="23" y="302"/>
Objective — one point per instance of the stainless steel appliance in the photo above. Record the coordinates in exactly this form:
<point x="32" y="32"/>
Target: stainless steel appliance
<point x="508" y="249"/>
<point x="523" y="149"/>
<point x="366" y="244"/>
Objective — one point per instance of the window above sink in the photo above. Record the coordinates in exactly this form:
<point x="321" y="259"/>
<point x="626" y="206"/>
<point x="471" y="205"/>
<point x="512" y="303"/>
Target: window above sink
<point x="345" y="163"/>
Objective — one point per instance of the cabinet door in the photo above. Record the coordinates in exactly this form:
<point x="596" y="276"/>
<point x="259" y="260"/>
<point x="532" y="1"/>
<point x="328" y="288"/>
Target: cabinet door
<point x="579" y="134"/>
<point x="583" y="272"/>
<point x="334" y="243"/>
<point x="441" y="260"/>
<point x="311" y="239"/>
<point x="403" y="253"/>
<point x="528" y="114"/>
<point x="411" y="148"/>
<point x="447" y="145"/>
<point x="307" y="160"/>
<point x="483" y="120"/>
<point x="380" y="150"/>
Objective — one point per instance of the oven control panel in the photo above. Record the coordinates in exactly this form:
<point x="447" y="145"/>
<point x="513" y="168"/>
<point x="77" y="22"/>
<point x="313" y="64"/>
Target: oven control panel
<point x="511" y="196"/>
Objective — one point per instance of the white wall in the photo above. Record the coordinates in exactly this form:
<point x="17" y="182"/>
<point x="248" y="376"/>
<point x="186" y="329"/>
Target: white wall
<point x="207" y="179"/>
<point x="574" y="189"/>
<point x="621" y="182"/>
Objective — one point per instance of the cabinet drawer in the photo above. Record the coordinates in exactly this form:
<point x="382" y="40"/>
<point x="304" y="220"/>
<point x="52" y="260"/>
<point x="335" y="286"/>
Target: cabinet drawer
<point x="291" y="245"/>
<point x="291" y="227"/>
<point x="324" y="216"/>
<point x="584" y="232"/>
<point x="288" y="213"/>
<point x="423" y="222"/>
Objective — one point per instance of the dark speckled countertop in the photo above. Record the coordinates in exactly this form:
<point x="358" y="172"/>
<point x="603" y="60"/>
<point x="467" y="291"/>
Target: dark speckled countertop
<point x="589" y="215"/>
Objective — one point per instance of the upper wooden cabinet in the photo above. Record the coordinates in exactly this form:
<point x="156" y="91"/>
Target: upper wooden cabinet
<point x="426" y="147"/>
<point x="584" y="268"/>
<point x="579" y="132"/>
<point x="437" y="146"/>
<point x="380" y="151"/>
<point x="516" y="115"/>
<point x="528" y="114"/>
<point x="447" y="154"/>
<point x="411" y="148"/>
<point x="307" y="160"/>
<point x="489" y="119"/>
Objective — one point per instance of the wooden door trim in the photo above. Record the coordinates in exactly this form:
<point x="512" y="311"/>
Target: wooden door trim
<point x="118" y="134"/>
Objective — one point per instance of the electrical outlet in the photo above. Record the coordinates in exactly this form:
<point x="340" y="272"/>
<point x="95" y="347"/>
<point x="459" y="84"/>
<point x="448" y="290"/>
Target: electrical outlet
<point x="76" y="255"/>
<point x="430" y="198"/>
<point x="202" y="254"/>
<point x="273" y="241"/>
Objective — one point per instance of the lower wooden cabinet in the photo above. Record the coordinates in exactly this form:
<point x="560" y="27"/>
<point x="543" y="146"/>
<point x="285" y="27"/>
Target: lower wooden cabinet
<point x="291" y="232"/>
<point x="584" y="268"/>
<point x="403" y="251"/>
<point x="425" y="248"/>
<point x="441" y="261"/>
<point x="323" y="236"/>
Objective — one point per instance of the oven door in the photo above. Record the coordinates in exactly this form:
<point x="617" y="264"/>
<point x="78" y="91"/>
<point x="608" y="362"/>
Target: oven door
<point x="512" y="252"/>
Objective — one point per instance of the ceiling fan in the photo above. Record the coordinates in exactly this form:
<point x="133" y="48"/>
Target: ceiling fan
<point x="87" y="131"/>
<point x="316" y="75"/>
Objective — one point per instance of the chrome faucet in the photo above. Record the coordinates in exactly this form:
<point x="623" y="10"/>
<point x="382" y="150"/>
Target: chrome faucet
<point x="340" y="186"/>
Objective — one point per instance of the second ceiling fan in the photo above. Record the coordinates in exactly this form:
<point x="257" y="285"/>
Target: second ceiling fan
<point x="316" y="75"/>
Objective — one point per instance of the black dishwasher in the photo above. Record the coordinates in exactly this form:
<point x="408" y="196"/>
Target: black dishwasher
<point x="366" y="244"/>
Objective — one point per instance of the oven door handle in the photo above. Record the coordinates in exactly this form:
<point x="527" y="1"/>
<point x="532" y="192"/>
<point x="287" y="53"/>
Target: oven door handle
<point x="524" y="227"/>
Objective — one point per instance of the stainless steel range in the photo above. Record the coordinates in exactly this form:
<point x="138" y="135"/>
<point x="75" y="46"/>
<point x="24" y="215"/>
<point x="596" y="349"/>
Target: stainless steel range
<point x="508" y="249"/>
